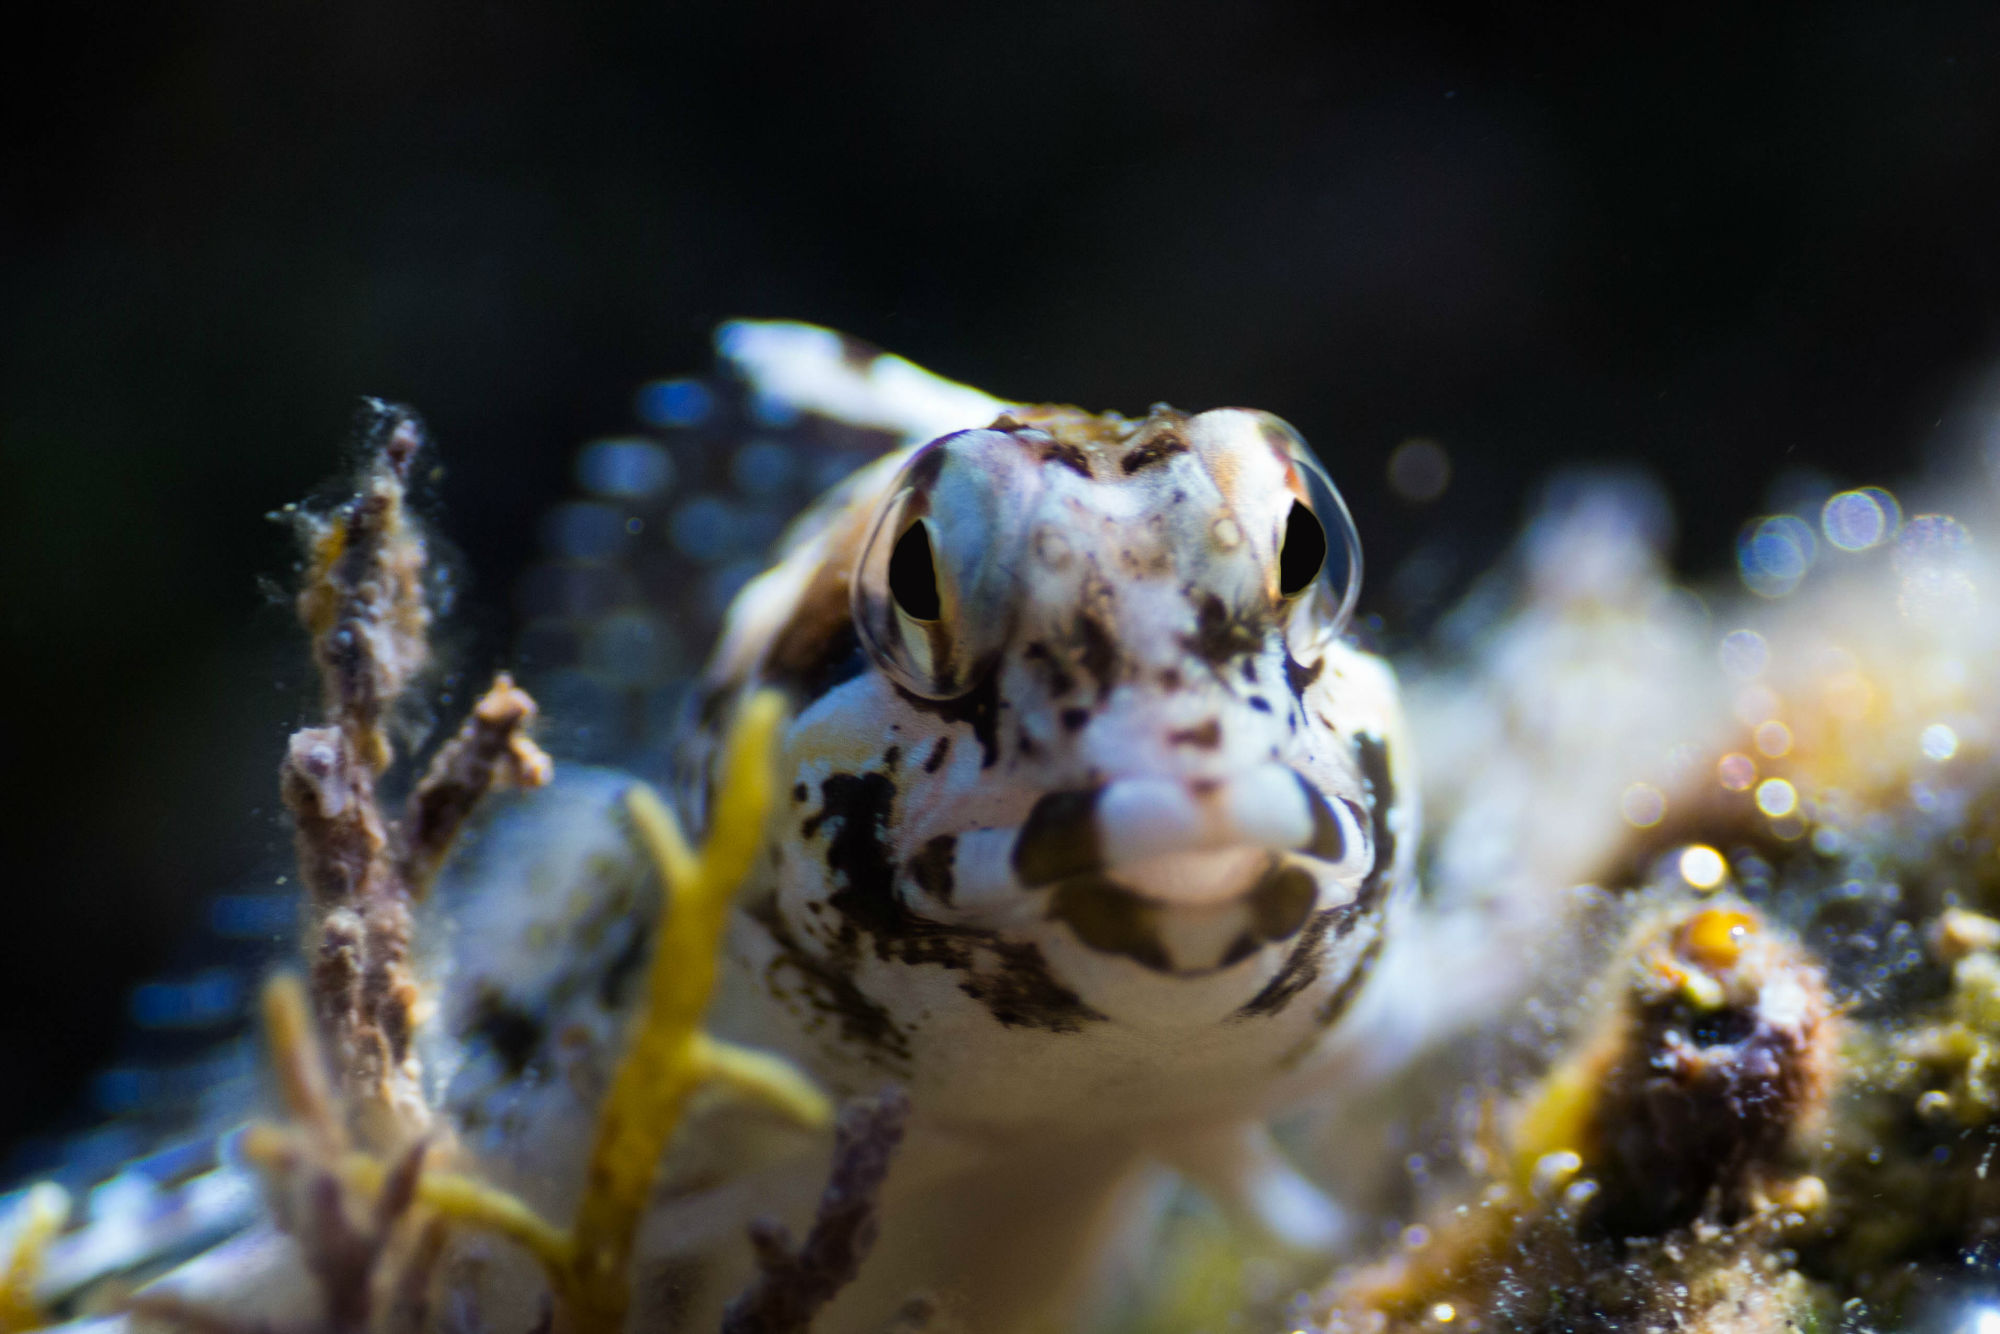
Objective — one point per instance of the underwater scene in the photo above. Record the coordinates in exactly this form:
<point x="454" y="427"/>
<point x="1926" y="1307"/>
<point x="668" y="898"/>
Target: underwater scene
<point x="1048" y="908"/>
<point x="1267" y="668"/>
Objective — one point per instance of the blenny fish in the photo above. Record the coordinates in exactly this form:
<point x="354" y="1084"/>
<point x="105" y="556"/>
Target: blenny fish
<point x="1094" y="824"/>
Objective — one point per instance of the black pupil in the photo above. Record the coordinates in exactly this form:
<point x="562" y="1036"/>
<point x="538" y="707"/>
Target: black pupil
<point x="912" y="576"/>
<point x="1301" y="556"/>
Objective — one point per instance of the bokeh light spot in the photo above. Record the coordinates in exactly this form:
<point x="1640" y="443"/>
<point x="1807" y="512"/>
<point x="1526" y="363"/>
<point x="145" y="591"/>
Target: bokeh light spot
<point x="1774" y="554"/>
<point x="1419" y="470"/>
<point x="1940" y="743"/>
<point x="1736" y="771"/>
<point x="1777" y="798"/>
<point x="1774" y="738"/>
<point x="1643" y="805"/>
<point x="624" y="468"/>
<point x="674" y="403"/>
<point x="1702" y="866"/>
<point x="1744" y="654"/>
<point x="1855" y="520"/>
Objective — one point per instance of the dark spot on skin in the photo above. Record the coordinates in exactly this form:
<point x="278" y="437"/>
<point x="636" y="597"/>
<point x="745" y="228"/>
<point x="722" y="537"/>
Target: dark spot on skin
<point x="1059" y="838"/>
<point x="1202" y="787"/>
<point x="1250" y="671"/>
<point x="1025" y="743"/>
<point x="1262" y="705"/>
<point x="937" y="755"/>
<point x="1060" y="682"/>
<point x="1098" y="652"/>
<point x="1220" y="636"/>
<point x="1371" y="754"/>
<point x="1205" y="736"/>
<point x="1068" y="455"/>
<point x="1157" y="448"/>
<point x="857" y="355"/>
<point x="1281" y="902"/>
<point x="931" y="867"/>
<point x="1300" y="969"/>
<point x="1239" y="949"/>
<point x="855" y="852"/>
<point x="1011" y="978"/>
<point x="1335" y="1005"/>
<point x="1298" y="676"/>
<point x="892" y="757"/>
<point x="798" y="792"/>
<point x="1170" y="679"/>
<point x="978" y="709"/>
<point x="1111" y="919"/>
<point x="926" y="466"/>
<point x="1074" y="720"/>
<point x="1327" y="840"/>
<point x="1337" y="1002"/>
<point x="831" y="990"/>
<point x="514" y="1033"/>
<point x="1022" y="993"/>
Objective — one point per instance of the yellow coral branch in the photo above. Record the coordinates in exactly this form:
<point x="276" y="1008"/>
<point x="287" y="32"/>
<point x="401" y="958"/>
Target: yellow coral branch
<point x="665" y="1060"/>
<point x="762" y="1077"/>
<point x="38" y="1219"/>
<point x="302" y="1081"/>
<point x="667" y="1057"/>
<point x="466" y="1200"/>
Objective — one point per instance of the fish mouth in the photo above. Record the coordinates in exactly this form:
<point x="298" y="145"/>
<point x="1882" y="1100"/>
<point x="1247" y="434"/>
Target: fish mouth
<point x="1181" y="876"/>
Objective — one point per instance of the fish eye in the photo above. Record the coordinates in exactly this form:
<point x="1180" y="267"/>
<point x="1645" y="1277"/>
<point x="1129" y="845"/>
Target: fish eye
<point x="1319" y="551"/>
<point x="913" y="574"/>
<point x="932" y="590"/>
<point x="1302" y="553"/>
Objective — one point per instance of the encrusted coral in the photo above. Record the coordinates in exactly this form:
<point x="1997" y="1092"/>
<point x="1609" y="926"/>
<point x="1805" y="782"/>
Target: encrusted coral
<point x="1647" y="1173"/>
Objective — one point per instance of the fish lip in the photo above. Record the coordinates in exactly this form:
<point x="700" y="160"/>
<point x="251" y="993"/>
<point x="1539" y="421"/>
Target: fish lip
<point x="1095" y="830"/>
<point x="1138" y="829"/>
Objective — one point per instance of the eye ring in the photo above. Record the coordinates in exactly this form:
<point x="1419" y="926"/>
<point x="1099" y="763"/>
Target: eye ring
<point x="931" y="589"/>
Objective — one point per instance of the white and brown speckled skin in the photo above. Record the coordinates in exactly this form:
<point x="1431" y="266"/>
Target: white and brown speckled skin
<point x="1128" y="624"/>
<point x="1110" y="609"/>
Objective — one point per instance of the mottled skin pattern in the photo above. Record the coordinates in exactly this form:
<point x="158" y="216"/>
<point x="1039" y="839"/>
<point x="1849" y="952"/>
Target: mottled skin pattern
<point x="981" y="881"/>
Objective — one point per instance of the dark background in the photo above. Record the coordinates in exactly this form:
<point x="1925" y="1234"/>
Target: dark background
<point x="1723" y="248"/>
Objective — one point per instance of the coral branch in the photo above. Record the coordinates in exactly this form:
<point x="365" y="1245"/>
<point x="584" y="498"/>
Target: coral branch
<point x="363" y="598"/>
<point x="758" y="1076"/>
<point x="363" y="604"/>
<point x="665" y="1061"/>
<point x="793" y="1285"/>
<point x="301" y="1071"/>
<point x="491" y="747"/>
